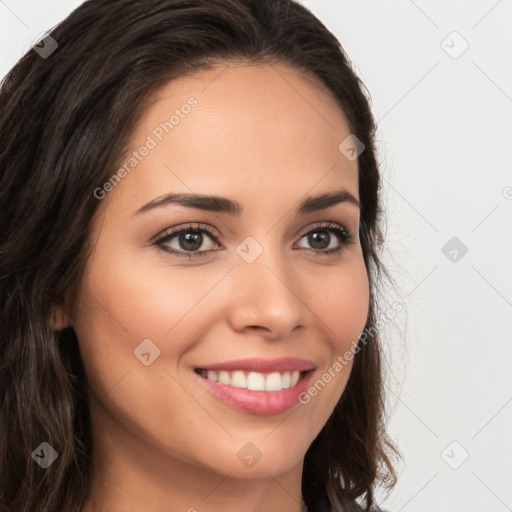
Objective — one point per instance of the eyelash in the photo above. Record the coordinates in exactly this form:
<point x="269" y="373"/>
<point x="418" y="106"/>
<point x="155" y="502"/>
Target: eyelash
<point x="343" y="234"/>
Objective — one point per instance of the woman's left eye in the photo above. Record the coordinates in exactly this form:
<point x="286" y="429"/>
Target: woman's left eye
<point x="320" y="236"/>
<point x="190" y="239"/>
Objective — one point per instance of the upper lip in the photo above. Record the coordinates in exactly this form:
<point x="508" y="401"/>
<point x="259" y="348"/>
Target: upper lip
<point x="255" y="364"/>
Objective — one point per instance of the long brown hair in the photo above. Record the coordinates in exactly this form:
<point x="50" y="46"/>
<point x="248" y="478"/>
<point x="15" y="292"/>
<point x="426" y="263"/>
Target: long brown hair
<point x="64" y="121"/>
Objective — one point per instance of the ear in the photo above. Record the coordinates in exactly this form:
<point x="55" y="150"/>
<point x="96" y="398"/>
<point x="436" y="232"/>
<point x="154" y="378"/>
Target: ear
<point x="59" y="318"/>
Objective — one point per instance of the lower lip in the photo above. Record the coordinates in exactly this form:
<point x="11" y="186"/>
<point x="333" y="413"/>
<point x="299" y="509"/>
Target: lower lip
<point x="259" y="402"/>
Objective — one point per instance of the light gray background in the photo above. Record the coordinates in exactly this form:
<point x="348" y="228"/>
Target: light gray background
<point x="445" y="137"/>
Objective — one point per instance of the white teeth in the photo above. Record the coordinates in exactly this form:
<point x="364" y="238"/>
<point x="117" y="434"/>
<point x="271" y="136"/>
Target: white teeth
<point x="224" y="377"/>
<point x="274" y="382"/>
<point x="255" y="381"/>
<point x="212" y="375"/>
<point x="238" y="380"/>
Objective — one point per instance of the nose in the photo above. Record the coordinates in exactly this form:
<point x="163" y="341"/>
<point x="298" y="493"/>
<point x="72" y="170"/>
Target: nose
<point x="266" y="298"/>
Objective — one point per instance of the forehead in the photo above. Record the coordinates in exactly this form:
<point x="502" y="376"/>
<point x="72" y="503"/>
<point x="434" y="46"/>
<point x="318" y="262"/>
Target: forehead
<point x="238" y="128"/>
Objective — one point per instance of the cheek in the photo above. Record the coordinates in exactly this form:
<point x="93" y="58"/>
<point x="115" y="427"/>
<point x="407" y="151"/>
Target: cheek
<point x="343" y="308"/>
<point x="125" y="300"/>
<point x="119" y="307"/>
<point x="138" y="298"/>
<point x="345" y="305"/>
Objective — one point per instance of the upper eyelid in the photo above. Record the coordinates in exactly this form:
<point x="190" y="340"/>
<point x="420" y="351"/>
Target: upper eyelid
<point x="327" y="225"/>
<point x="210" y="231"/>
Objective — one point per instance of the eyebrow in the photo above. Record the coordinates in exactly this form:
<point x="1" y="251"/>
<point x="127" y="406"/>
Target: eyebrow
<point x="223" y="205"/>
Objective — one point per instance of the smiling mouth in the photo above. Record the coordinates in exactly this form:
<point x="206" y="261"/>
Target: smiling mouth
<point x="254" y="381"/>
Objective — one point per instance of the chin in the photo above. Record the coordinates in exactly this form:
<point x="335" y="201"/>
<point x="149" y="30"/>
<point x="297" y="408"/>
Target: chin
<point x="274" y="455"/>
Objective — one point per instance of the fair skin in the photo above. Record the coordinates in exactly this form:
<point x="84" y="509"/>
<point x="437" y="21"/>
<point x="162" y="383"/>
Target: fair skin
<point x="266" y="137"/>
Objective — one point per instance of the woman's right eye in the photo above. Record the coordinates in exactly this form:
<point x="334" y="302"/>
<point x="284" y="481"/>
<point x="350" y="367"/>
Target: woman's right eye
<point x="188" y="241"/>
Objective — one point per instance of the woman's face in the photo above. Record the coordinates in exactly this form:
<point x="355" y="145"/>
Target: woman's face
<point x="248" y="300"/>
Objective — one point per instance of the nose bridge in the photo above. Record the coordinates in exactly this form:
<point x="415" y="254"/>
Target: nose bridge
<point x="262" y="261"/>
<point x="266" y="295"/>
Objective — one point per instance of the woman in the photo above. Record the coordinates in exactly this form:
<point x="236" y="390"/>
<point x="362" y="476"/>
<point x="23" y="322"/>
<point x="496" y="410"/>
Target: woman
<point x="189" y="262"/>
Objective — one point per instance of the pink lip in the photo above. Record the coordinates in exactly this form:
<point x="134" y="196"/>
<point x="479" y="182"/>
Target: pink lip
<point x="256" y="364"/>
<point x="259" y="402"/>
